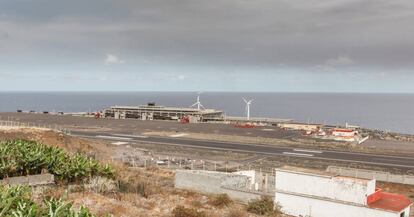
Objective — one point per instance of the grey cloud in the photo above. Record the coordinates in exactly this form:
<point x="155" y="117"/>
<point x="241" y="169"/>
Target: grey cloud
<point x="4" y="35"/>
<point x="375" y="33"/>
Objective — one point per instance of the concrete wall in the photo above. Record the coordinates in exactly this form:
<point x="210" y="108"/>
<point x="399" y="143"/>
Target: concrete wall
<point x="248" y="173"/>
<point x="337" y="188"/>
<point x="202" y="181"/>
<point x="369" y="174"/>
<point x="311" y="207"/>
<point x="243" y="196"/>
<point x="237" y="186"/>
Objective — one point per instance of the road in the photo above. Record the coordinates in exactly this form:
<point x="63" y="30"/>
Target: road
<point x="404" y="163"/>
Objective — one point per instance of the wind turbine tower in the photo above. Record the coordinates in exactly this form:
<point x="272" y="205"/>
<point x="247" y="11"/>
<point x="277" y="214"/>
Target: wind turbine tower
<point x="198" y="103"/>
<point x="248" y="103"/>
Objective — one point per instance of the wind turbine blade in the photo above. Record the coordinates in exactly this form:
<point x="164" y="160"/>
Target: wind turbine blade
<point x="251" y="100"/>
<point x="244" y="100"/>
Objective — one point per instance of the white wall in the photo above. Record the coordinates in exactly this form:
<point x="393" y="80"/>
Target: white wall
<point x="214" y="183"/>
<point x="371" y="187"/>
<point x="302" y="206"/>
<point x="338" y="133"/>
<point x="337" y="188"/>
<point x="407" y="212"/>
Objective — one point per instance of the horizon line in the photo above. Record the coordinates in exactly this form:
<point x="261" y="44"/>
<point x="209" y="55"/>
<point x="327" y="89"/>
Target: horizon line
<point x="194" y="91"/>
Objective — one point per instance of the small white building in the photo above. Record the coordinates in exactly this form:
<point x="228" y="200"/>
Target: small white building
<point x="300" y="126"/>
<point x="308" y="194"/>
<point x="344" y="132"/>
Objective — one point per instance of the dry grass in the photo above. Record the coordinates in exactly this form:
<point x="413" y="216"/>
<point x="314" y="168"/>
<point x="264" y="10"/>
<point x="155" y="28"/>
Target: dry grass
<point x="221" y="200"/>
<point x="101" y="185"/>
<point x="235" y="212"/>
<point x="135" y="192"/>
<point x="181" y="211"/>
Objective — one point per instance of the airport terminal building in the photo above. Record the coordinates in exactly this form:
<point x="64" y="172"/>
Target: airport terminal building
<point x="156" y="112"/>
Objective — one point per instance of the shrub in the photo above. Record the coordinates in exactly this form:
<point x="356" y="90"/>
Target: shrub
<point x="234" y="212"/>
<point x="100" y="185"/>
<point x="263" y="206"/>
<point x="181" y="211"/>
<point x="221" y="200"/>
<point x="142" y="188"/>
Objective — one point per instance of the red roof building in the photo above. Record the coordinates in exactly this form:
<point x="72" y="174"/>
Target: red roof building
<point x="309" y="193"/>
<point x="388" y="201"/>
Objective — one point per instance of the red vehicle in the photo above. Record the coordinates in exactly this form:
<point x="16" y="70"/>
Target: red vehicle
<point x="185" y="120"/>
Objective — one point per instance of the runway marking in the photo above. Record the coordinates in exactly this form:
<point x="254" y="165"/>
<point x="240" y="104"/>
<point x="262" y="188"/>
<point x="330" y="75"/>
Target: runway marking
<point x="271" y="154"/>
<point x="113" y="137"/>
<point x="281" y="154"/>
<point x="264" y="145"/>
<point x="298" y="154"/>
<point x="130" y="135"/>
<point x="310" y="151"/>
<point x="179" y="135"/>
<point x="120" y="143"/>
<point x="268" y="129"/>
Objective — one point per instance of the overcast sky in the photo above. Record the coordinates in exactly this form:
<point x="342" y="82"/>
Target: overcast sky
<point x="208" y="45"/>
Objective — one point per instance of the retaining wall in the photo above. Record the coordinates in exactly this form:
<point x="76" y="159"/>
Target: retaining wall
<point x="33" y="180"/>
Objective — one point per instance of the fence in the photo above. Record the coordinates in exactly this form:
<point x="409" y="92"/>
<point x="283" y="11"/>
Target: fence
<point x="369" y="174"/>
<point x="17" y="124"/>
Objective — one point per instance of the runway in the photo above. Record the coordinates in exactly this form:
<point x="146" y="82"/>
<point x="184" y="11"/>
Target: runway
<point x="404" y="163"/>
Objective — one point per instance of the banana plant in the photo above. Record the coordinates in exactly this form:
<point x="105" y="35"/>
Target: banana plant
<point x="16" y="202"/>
<point x="20" y="157"/>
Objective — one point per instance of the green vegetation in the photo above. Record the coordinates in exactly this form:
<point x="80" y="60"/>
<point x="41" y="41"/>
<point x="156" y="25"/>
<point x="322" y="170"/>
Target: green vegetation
<point x="20" y="158"/>
<point x="263" y="206"/>
<point x="16" y="202"/>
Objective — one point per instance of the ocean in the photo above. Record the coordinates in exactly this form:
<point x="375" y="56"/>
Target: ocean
<point x="389" y="112"/>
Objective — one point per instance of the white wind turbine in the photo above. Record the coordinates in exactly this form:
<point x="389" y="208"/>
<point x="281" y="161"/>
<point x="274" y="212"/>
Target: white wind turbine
<point x="198" y="103"/>
<point x="248" y="103"/>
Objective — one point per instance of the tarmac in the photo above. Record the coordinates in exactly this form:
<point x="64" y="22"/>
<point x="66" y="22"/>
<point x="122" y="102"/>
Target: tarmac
<point x="387" y="161"/>
<point x="133" y="126"/>
<point x="133" y="131"/>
